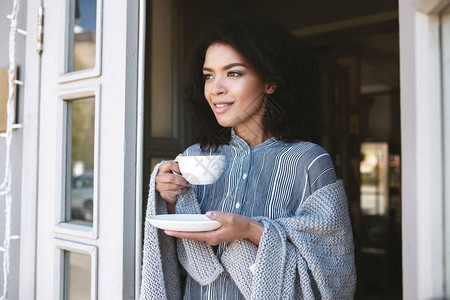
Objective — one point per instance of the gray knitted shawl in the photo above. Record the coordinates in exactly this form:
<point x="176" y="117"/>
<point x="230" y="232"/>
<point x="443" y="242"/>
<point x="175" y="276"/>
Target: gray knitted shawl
<point x="307" y="256"/>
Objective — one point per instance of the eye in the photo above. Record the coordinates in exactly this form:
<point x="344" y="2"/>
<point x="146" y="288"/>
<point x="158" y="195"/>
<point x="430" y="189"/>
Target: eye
<point x="234" y="74"/>
<point x="207" y="77"/>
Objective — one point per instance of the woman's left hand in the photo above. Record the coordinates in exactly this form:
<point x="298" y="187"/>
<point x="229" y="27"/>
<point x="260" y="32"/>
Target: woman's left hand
<point x="234" y="227"/>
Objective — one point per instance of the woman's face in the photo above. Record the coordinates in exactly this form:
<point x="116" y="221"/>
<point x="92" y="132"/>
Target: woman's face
<point x="234" y="91"/>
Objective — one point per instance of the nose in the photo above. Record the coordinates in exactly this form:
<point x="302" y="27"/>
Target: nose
<point x="218" y="87"/>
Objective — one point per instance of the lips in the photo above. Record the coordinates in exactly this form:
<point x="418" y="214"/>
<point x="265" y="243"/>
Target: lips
<point x="222" y="107"/>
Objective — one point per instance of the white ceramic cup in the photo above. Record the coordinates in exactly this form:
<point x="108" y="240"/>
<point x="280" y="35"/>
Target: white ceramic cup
<point x="201" y="169"/>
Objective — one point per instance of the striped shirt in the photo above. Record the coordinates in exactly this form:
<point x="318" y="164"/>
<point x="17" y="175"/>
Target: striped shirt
<point x="271" y="180"/>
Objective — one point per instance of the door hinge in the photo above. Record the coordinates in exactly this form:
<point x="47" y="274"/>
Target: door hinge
<point x="40" y="28"/>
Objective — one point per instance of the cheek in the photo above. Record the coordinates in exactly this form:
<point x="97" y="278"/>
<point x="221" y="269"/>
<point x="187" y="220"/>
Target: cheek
<point x="249" y="93"/>
<point x="241" y="90"/>
<point x="251" y="87"/>
<point x="206" y="93"/>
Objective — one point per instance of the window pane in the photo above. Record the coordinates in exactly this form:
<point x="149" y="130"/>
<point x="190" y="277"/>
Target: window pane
<point x="80" y="160"/>
<point x="82" y="30"/>
<point x="161" y="69"/>
<point x="77" y="276"/>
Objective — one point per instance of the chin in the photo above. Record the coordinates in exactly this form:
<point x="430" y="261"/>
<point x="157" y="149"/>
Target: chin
<point x="224" y="123"/>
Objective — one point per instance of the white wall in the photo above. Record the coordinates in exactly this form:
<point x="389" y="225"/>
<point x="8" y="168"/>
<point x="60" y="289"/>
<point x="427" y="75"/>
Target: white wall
<point x="422" y="144"/>
<point x="6" y="8"/>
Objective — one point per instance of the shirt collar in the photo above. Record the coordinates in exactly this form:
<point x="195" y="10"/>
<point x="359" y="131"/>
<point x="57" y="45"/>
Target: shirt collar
<point x="236" y="140"/>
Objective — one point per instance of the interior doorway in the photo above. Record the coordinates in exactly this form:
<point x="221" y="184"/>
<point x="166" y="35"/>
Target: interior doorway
<point x="357" y="47"/>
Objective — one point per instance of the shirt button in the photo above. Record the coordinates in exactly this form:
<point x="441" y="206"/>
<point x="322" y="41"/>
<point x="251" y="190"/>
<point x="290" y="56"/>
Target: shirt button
<point x="238" y="205"/>
<point x="244" y="176"/>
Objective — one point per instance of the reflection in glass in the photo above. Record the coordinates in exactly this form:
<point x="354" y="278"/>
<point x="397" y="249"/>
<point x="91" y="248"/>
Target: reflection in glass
<point x="374" y="202"/>
<point x="77" y="276"/>
<point x="82" y="31"/>
<point x="380" y="229"/>
<point x="374" y="178"/>
<point x="80" y="160"/>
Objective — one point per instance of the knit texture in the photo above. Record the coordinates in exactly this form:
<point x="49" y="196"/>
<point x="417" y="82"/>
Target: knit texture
<point x="160" y="269"/>
<point x="306" y="256"/>
<point x="160" y="273"/>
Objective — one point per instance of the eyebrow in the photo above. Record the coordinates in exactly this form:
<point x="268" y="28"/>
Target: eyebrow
<point x="227" y="67"/>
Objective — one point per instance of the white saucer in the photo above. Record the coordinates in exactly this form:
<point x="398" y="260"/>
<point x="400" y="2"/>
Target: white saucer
<point x="184" y="222"/>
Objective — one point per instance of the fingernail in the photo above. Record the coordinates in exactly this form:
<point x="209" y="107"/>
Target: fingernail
<point x="208" y="214"/>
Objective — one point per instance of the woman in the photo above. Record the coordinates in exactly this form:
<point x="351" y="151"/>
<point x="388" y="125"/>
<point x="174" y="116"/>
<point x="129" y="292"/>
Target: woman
<point x="285" y="228"/>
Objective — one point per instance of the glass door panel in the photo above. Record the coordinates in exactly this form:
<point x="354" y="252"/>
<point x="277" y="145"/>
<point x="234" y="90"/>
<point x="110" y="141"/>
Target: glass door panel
<point x="77" y="276"/>
<point x="161" y="69"/>
<point x="80" y="139"/>
<point x="82" y="35"/>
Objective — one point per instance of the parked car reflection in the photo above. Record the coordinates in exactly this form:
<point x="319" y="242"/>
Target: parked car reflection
<point x="81" y="207"/>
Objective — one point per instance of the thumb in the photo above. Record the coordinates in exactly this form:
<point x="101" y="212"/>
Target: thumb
<point x="215" y="215"/>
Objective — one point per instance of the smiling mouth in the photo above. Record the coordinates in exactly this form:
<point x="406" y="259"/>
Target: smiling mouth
<point x="222" y="105"/>
<point x="220" y="108"/>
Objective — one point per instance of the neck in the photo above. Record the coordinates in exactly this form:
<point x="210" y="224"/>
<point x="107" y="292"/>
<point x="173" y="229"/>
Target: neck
<point x="251" y="136"/>
<point x="251" y="130"/>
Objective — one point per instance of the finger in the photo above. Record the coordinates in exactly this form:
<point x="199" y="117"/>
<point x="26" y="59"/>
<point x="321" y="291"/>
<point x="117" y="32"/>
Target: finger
<point x="169" y="186"/>
<point x="217" y="216"/>
<point x="171" y="196"/>
<point x="169" y="166"/>
<point x="169" y="178"/>
<point x="176" y="169"/>
<point x="181" y="181"/>
<point x="174" y="192"/>
<point x="165" y="167"/>
<point x="164" y="187"/>
<point x="197" y="236"/>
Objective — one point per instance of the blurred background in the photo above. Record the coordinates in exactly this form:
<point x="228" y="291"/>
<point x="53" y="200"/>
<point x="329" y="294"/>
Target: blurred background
<point x="357" y="46"/>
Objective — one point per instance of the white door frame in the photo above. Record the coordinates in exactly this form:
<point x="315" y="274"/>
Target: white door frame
<point x="30" y="164"/>
<point x="140" y="147"/>
<point x="422" y="149"/>
<point x="445" y="36"/>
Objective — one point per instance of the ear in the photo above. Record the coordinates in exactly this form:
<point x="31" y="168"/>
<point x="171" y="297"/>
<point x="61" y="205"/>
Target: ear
<point x="270" y="88"/>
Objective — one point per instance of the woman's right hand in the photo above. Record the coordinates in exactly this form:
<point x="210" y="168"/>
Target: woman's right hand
<point x="170" y="185"/>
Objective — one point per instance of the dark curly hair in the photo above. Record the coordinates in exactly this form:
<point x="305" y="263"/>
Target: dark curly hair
<point x="292" y="111"/>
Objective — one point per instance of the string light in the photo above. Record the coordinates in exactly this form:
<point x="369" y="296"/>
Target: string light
<point x="5" y="186"/>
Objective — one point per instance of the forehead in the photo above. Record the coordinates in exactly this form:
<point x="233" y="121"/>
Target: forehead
<point x="223" y="54"/>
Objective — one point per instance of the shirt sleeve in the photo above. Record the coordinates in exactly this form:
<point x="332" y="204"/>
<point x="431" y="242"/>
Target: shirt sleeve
<point x="320" y="172"/>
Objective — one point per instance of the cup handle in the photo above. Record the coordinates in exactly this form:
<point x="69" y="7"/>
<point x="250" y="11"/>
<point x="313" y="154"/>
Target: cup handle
<point x="176" y="160"/>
